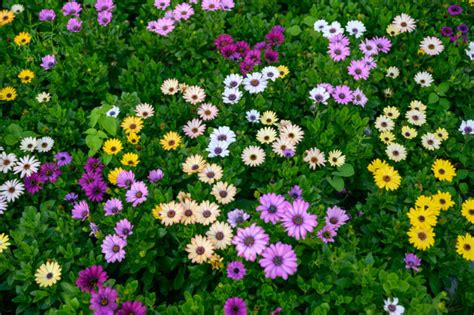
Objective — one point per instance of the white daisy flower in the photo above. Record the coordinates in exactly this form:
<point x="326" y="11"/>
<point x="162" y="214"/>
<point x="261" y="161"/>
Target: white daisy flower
<point x="320" y="25"/>
<point x="416" y="117"/>
<point x="26" y="166"/>
<point x="392" y="72"/>
<point x="404" y="23"/>
<point x="467" y="127"/>
<point x="7" y="162"/>
<point x="314" y="157"/>
<point x="270" y="73"/>
<point x="319" y="95"/>
<point x="224" y="134"/>
<point x="11" y="190"/>
<point x="3" y="204"/>
<point x="231" y="96"/>
<point x="28" y="144"/>
<point x="255" y="83"/>
<point x="113" y="112"/>
<point x="144" y="110"/>
<point x="17" y="8"/>
<point x="384" y="123"/>
<point x="44" y="144"/>
<point x="293" y="133"/>
<point x="170" y="87"/>
<point x="470" y="51"/>
<point x="281" y="145"/>
<point x="233" y="80"/>
<point x="43" y="97"/>
<point x="194" y="94"/>
<point x="424" y="78"/>
<point x="430" y="141"/>
<point x="218" y="148"/>
<point x="432" y="45"/>
<point x="355" y="28"/>
<point x="392" y="307"/>
<point x="396" y="152"/>
<point x="332" y="29"/>
<point x="253" y="116"/>
<point x="253" y="156"/>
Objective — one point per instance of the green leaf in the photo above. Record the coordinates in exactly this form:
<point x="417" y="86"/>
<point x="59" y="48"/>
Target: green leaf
<point x="369" y="259"/>
<point x="294" y="30"/>
<point x="433" y="98"/>
<point x="179" y="280"/>
<point x="39" y="295"/>
<point x="309" y="20"/>
<point x="11" y="139"/>
<point x="94" y="143"/>
<point x="345" y="170"/>
<point x="109" y="124"/>
<point x="443" y="87"/>
<point x="336" y="182"/>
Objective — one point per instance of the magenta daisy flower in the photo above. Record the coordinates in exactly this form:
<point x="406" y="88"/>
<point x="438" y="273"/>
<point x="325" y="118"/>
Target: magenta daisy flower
<point x="295" y="192"/>
<point x="80" y="211"/>
<point x="242" y="48"/>
<point x="95" y="191"/>
<point x="104" y="18"/>
<point x="358" y="70"/>
<point x="223" y="40"/>
<point x="72" y="8"/>
<point x="339" y="39"/>
<point x="137" y="193"/>
<point x="104" y="301"/>
<point x="104" y="5"/>
<point x="93" y="165"/>
<point x="236" y="270"/>
<point x="253" y="56"/>
<point x="246" y="67"/>
<point x="162" y="4"/>
<point x="164" y="26"/>
<point x="155" y="175"/>
<point x="132" y="307"/>
<point x="250" y="242"/>
<point x="63" y="158"/>
<point x="47" y="15"/>
<point x="113" y="206"/>
<point x="454" y="10"/>
<point x="412" y="261"/>
<point x="271" y="207"/>
<point x="271" y="56"/>
<point x="274" y="38"/>
<point x="92" y="278"/>
<point x="50" y="171"/>
<point x="327" y="234"/>
<point x="125" y="179"/>
<point x="338" y="52"/>
<point x="34" y="183"/>
<point x="230" y="52"/>
<point x="113" y="248"/>
<point x="342" y="94"/>
<point x="124" y="228"/>
<point x="296" y="221"/>
<point x="183" y="11"/>
<point x="383" y="44"/>
<point x="235" y="306"/>
<point x="336" y="217"/>
<point x="48" y="62"/>
<point x="368" y="47"/>
<point x="279" y="260"/>
<point x="74" y="25"/>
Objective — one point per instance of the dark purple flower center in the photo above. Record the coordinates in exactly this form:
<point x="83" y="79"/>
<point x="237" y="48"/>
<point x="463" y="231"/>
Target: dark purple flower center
<point x="125" y="231"/>
<point x="171" y="213"/>
<point x="333" y="220"/>
<point x="467" y="129"/>
<point x="232" y="97"/>
<point x="254" y="82"/>
<point x="200" y="250"/>
<point x="104" y="301"/>
<point x="272" y="209"/>
<point x="277" y="261"/>
<point x="298" y="220"/>
<point x="206" y="213"/>
<point x="219" y="236"/>
<point x="116" y="248"/>
<point x="236" y="270"/>
<point x="188" y="212"/>
<point x="223" y="193"/>
<point x="49" y="275"/>
<point x="218" y="150"/>
<point x="392" y="308"/>
<point x="342" y="96"/>
<point x="249" y="241"/>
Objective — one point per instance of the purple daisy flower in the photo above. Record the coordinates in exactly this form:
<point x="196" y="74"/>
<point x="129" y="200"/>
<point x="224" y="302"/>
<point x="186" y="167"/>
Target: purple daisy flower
<point x="72" y="8"/>
<point x="236" y="217"/>
<point x="155" y="175"/>
<point x="370" y="62"/>
<point x="92" y="278"/>
<point x="271" y="56"/>
<point x="230" y="52"/>
<point x="236" y="270"/>
<point x="412" y="261"/>
<point x="93" y="165"/>
<point x="358" y="70"/>
<point x="137" y="193"/>
<point x="48" y="62"/>
<point x="383" y="44"/>
<point x="260" y="46"/>
<point x="223" y="40"/>
<point x="295" y="192"/>
<point x="250" y="241"/>
<point x="50" y="171"/>
<point x="235" y="306"/>
<point x="47" y="15"/>
<point x="336" y="217"/>
<point x="463" y="28"/>
<point x="34" y="183"/>
<point x="104" y="18"/>
<point x="71" y="197"/>
<point x="327" y="234"/>
<point x="104" y="5"/>
<point x="289" y="153"/>
<point x="359" y="97"/>
<point x="124" y="228"/>
<point x="63" y="158"/>
<point x="454" y="9"/>
<point x="242" y="48"/>
<point x="279" y="260"/>
<point x="113" y="248"/>
<point x="297" y="221"/>
<point x="125" y="179"/>
<point x="74" y="25"/>
<point x="338" y="52"/>
<point x="342" y="94"/>
<point x="271" y="207"/>
<point x="253" y="56"/>
<point x="246" y="67"/>
<point x="368" y="47"/>
<point x="339" y="39"/>
<point x="132" y="307"/>
<point x="162" y="4"/>
<point x="183" y="11"/>
<point x="278" y="28"/>
<point x="95" y="191"/>
<point x="447" y="31"/>
<point x="113" y="206"/>
<point x="80" y="211"/>
<point x="104" y="301"/>
<point x="274" y="38"/>
<point x="328" y="87"/>
<point x="87" y="179"/>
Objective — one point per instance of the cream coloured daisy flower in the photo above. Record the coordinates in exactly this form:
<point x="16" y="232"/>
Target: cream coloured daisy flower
<point x="280" y="146"/>
<point x="170" y="87"/>
<point x="336" y="158"/>
<point x="253" y="156"/>
<point x="207" y="212"/>
<point x="293" y="133"/>
<point x="416" y="117"/>
<point x="224" y="192"/>
<point x="431" y="45"/>
<point x="220" y="234"/>
<point x="423" y="78"/>
<point x="404" y="23"/>
<point x="189" y="211"/>
<point x="210" y="173"/>
<point x="383" y="123"/>
<point x="396" y="152"/>
<point x="144" y="110"/>
<point x="200" y="249"/>
<point x="314" y="157"/>
<point x="430" y="141"/>
<point x="194" y="164"/>
<point x="170" y="213"/>
<point x="266" y="135"/>
<point x="194" y="95"/>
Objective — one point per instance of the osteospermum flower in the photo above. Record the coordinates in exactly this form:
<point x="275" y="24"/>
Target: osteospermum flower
<point x="444" y="200"/>
<point x="342" y="94"/>
<point x="431" y="45"/>
<point x="26" y="166"/>
<point x="443" y="170"/>
<point x="386" y="177"/>
<point x="336" y="217"/>
<point x="396" y="152"/>
<point x="404" y="23"/>
<point x="48" y="62"/>
<point x="26" y="76"/>
<point x="392" y="72"/>
<point x="255" y="83"/>
<point x="170" y="213"/>
<point x="319" y="95"/>
<point x="336" y="158"/>
<point x="48" y="274"/>
<point x="384" y="123"/>
<point x="113" y="206"/>
<point x="170" y="141"/>
<point x="113" y="175"/>
<point x="223" y="192"/>
<point x="416" y="117"/>
<point x="91" y="279"/>
<point x="12" y="190"/>
<point x="132" y="307"/>
<point x="266" y="135"/>
<point x="104" y="301"/>
<point x="210" y="174"/>
<point x="194" y="128"/>
<point x="284" y="71"/>
<point x="253" y="116"/>
<point x="253" y="156"/>
<point x="250" y="241"/>
<point x="392" y="307"/>
<point x="355" y="28"/>
<point x="430" y="141"/>
<point x="333" y="29"/>
<point x="236" y="270"/>
<point x="409" y="133"/>
<point x="465" y="246"/>
<point x="144" y="110"/>
<point x="194" y="164"/>
<point x="194" y="95"/>
<point x="137" y="194"/>
<point x="421" y="238"/>
<point x="112" y="146"/>
<point x="6" y="17"/>
<point x="189" y="211"/>
<point x="200" y="249"/>
<point x="170" y="87"/>
<point x="235" y="306"/>
<point x="80" y="211"/>
<point x="422" y="217"/>
<point x="8" y="94"/>
<point x="220" y="234"/>
<point x="113" y="248"/>
<point x="387" y="137"/>
<point x="279" y="260"/>
<point x="4" y="242"/>
<point x="467" y="210"/>
<point x="423" y="78"/>
<point x="412" y="261"/>
<point x="272" y="207"/>
<point x="467" y="127"/>
<point x="338" y="52"/>
<point x="314" y="157"/>
<point x="208" y="111"/>
<point x="297" y="221"/>
<point x="327" y="234"/>
<point x="132" y="124"/>
<point x="237" y="216"/>
<point x="130" y="159"/>
<point x="358" y="70"/>
<point x="7" y="162"/>
<point x="442" y="134"/>
<point x="22" y="38"/>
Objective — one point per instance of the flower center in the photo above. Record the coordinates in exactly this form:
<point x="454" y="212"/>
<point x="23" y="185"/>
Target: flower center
<point x="422" y="236"/>
<point x="200" y="250"/>
<point x="223" y="193"/>
<point x="171" y="213"/>
<point x="49" y="275"/>
<point x="206" y="213"/>
<point x="249" y="241"/>
<point x="104" y="301"/>
<point x="116" y="248"/>
<point x="277" y="260"/>
<point x="297" y="220"/>
<point x="188" y="212"/>
<point x="219" y="236"/>
<point x="272" y="209"/>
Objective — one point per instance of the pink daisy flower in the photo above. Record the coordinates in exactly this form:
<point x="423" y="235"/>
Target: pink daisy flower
<point x="194" y="128"/>
<point x="250" y="242"/>
<point x="368" y="47"/>
<point x="359" y="98"/>
<point x="358" y="70"/>
<point x="279" y="260"/>
<point x="208" y="111"/>
<point x="339" y="39"/>
<point x="183" y="11"/>
<point x="113" y="248"/>
<point x="211" y="5"/>
<point x="327" y="234"/>
<point x="338" y="52"/>
<point x="297" y="221"/>
<point x="162" y="4"/>
<point x="164" y="26"/>
<point x="342" y="94"/>
<point x="137" y="193"/>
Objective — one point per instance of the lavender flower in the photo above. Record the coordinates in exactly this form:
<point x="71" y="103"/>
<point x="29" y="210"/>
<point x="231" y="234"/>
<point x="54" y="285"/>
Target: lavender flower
<point x="113" y="206"/>
<point x="412" y="261"/>
<point x="96" y="190"/>
<point x="296" y="192"/>
<point x="113" y="248"/>
<point x="236" y="217"/>
<point x="92" y="278"/>
<point x="137" y="193"/>
<point x="124" y="228"/>
<point x="48" y="62"/>
<point x="72" y="8"/>
<point x="63" y="158"/>
<point x="71" y="197"/>
<point x="74" y="25"/>
<point x="236" y="270"/>
<point x="155" y="175"/>
<point x="104" y="18"/>
<point x="80" y="211"/>
<point x="47" y="15"/>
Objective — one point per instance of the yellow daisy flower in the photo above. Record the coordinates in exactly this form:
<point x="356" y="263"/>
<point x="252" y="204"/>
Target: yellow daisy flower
<point x="421" y="238"/>
<point x="132" y="124"/>
<point x="387" y="137"/>
<point x="417" y="105"/>
<point x="427" y="203"/>
<point x="6" y="17"/>
<point x="113" y="174"/>
<point x="133" y="138"/>
<point x="216" y="262"/>
<point x="422" y="218"/>
<point x="387" y="178"/>
<point x="408" y="132"/>
<point x="8" y="94"/>
<point x="442" y="134"/>
<point x="48" y="274"/>
<point x="170" y="141"/>
<point x="443" y="200"/>
<point x="26" y="76"/>
<point x="112" y="146"/>
<point x="268" y="118"/>
<point x="4" y="242"/>
<point x="443" y="170"/>
<point x="194" y="164"/>
<point x="465" y="246"/>
<point x="375" y="165"/>
<point x="391" y="112"/>
<point x="468" y="210"/>
<point x="22" y="38"/>
<point x="392" y="30"/>
<point x="283" y="71"/>
<point x="130" y="159"/>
